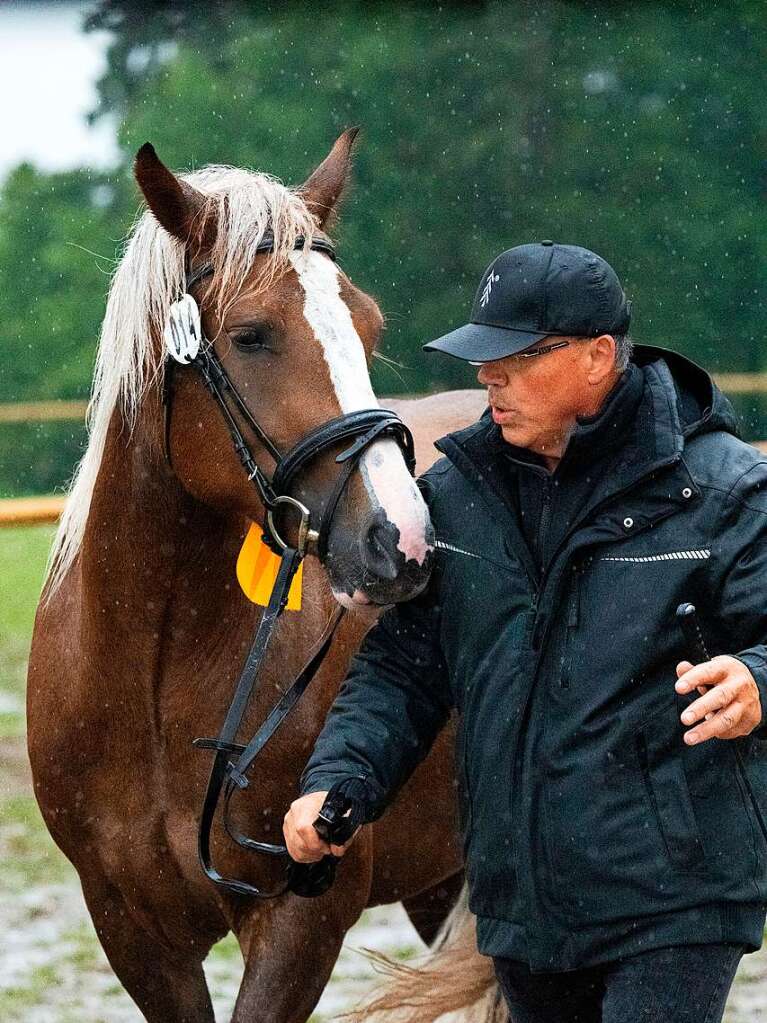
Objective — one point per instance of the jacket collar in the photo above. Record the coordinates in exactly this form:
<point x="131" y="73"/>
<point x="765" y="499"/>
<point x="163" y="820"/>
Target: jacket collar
<point x="594" y="438"/>
<point x="653" y="443"/>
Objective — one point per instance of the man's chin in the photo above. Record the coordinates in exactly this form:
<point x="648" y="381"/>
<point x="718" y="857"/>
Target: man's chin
<point x="513" y="435"/>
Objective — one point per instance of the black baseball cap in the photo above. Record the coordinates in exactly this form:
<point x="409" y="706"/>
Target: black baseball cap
<point x="532" y="291"/>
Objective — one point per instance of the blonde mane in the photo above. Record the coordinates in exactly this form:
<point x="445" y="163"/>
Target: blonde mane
<point x="148" y="278"/>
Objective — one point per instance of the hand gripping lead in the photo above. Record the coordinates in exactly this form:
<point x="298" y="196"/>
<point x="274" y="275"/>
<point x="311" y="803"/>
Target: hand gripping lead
<point x="345" y="808"/>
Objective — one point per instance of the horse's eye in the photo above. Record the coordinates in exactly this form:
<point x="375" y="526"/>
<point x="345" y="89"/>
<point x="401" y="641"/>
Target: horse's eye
<point x="252" y="339"/>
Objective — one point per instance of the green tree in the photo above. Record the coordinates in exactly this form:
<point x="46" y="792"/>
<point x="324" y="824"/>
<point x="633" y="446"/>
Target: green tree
<point x="633" y="129"/>
<point x="55" y="283"/>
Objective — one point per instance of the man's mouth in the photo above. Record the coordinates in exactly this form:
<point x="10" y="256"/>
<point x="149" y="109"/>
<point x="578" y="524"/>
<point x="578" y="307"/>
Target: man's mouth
<point x="501" y="414"/>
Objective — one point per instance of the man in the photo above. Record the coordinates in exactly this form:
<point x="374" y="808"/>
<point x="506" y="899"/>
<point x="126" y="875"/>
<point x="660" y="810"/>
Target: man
<point x="614" y="820"/>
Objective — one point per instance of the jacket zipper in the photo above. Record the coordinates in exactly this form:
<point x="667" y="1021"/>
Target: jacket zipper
<point x="573" y="616"/>
<point x="539" y="586"/>
<point x="543" y="522"/>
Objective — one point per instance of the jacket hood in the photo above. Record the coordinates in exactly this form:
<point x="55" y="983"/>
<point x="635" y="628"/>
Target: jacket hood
<point x="702" y="407"/>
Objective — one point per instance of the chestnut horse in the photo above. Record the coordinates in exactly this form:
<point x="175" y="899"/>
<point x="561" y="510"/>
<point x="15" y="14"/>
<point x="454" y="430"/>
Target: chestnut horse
<point x="142" y="628"/>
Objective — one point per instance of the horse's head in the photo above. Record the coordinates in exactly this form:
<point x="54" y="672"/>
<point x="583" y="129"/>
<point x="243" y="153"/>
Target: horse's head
<point x="295" y="337"/>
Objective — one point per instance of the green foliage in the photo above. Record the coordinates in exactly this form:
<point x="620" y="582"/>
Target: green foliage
<point x="38" y="458"/>
<point x="53" y="301"/>
<point x="632" y="129"/>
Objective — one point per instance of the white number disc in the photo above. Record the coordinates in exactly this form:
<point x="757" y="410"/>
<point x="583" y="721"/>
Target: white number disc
<point x="183" y="330"/>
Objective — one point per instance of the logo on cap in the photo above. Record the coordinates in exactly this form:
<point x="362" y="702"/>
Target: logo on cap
<point x="491" y="280"/>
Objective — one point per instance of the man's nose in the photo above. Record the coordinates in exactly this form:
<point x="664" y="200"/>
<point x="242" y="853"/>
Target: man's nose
<point x="491" y="373"/>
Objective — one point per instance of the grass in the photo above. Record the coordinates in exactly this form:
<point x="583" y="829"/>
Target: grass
<point x="28" y="855"/>
<point x="226" y="951"/>
<point x="23" y="553"/>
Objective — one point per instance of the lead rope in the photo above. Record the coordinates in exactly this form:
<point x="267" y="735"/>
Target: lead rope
<point x="344" y="809"/>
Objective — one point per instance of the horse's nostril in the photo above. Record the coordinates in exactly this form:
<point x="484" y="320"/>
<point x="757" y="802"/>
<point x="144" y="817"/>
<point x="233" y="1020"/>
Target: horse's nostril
<point x="376" y="542"/>
<point x="381" y="554"/>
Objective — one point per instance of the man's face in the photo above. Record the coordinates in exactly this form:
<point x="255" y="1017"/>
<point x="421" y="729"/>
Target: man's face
<point x="535" y="401"/>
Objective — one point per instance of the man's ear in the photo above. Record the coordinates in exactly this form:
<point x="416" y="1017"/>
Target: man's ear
<point x="323" y="188"/>
<point x="184" y="212"/>
<point x="602" y="350"/>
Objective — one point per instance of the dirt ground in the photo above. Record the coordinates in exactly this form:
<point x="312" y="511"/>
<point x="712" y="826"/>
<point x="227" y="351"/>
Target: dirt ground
<point x="52" y="969"/>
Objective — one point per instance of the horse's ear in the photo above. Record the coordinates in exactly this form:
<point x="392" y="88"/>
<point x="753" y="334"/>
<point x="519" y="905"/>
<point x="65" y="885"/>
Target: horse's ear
<point x="322" y="189"/>
<point x="181" y="209"/>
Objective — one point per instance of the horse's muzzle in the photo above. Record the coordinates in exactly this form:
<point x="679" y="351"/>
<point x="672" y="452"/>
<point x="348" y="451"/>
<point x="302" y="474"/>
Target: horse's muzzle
<point x="388" y="574"/>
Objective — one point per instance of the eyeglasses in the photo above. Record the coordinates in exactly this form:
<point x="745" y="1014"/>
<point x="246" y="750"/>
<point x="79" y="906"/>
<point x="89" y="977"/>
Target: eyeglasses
<point x="529" y="355"/>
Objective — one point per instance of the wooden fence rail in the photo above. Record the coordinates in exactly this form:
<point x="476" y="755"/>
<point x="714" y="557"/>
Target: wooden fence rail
<point x="26" y="511"/>
<point x="41" y="411"/>
<point x="741" y="383"/>
<point x="51" y="411"/>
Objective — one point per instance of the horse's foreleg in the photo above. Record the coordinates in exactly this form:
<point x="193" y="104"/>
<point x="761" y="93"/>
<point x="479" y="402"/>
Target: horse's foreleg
<point x="284" y="978"/>
<point x="168" y="987"/>
<point x="291" y="945"/>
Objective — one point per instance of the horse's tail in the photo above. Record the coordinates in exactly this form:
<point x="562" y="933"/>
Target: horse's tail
<point x="452" y="980"/>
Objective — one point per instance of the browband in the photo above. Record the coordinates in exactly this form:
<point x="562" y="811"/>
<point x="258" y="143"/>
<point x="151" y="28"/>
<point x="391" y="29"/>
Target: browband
<point x="320" y="243"/>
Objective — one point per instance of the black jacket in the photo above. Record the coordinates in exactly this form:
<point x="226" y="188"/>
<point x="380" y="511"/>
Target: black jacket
<point x="590" y="829"/>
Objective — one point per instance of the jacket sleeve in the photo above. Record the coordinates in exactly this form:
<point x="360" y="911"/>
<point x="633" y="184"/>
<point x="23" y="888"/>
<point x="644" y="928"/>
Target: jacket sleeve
<point x="390" y="708"/>
<point x="743" y="599"/>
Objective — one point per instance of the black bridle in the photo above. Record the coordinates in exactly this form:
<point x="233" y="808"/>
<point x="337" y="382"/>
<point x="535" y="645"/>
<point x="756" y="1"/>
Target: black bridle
<point x="232" y="760"/>
<point x="362" y="428"/>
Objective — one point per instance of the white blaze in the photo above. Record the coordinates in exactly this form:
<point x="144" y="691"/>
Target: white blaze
<point x="382" y="467"/>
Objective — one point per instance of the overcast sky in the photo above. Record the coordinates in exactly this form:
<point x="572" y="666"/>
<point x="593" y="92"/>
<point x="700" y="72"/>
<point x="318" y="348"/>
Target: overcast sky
<point x="48" y="71"/>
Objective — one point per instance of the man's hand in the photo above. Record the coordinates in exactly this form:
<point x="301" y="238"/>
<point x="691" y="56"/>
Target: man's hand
<point x="729" y="708"/>
<point x="303" y="842"/>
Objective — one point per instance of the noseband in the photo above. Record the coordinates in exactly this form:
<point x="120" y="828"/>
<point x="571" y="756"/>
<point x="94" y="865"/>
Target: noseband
<point x="357" y="431"/>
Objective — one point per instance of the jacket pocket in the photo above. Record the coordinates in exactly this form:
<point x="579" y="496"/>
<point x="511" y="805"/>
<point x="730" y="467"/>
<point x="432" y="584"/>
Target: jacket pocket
<point x="725" y="796"/>
<point x="751" y="762"/>
<point x="659" y="746"/>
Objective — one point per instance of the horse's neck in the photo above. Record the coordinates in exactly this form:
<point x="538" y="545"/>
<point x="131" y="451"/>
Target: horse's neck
<point x="153" y="557"/>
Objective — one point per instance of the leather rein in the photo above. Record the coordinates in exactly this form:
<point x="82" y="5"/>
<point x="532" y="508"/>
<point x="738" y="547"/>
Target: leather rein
<point x="343" y="811"/>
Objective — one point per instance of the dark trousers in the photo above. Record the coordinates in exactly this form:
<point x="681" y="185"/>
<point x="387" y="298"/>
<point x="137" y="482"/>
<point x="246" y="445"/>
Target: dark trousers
<point x="680" y="984"/>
